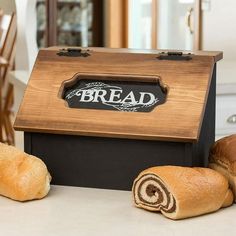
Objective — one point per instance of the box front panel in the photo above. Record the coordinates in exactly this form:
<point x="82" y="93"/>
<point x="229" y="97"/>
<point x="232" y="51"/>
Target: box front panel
<point x="102" y="162"/>
<point x="178" y="119"/>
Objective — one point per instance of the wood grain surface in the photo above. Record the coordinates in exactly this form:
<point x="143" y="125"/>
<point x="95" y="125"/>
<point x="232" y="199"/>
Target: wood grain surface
<point x="179" y="119"/>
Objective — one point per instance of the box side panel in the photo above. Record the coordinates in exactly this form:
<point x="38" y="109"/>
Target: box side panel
<point x="189" y="154"/>
<point x="207" y="135"/>
<point x="103" y="162"/>
<point x="28" y="142"/>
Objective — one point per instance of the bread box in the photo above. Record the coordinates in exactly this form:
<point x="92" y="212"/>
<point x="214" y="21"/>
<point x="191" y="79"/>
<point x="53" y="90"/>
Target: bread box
<point x="98" y="116"/>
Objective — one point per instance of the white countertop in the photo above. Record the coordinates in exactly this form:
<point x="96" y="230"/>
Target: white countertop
<point x="75" y="211"/>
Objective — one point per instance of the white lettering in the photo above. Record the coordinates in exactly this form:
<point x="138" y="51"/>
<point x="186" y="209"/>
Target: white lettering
<point x="100" y="94"/>
<point x="142" y="96"/>
<point x="129" y="98"/>
<point x="113" y="95"/>
<point x="78" y="93"/>
<point x="87" y="94"/>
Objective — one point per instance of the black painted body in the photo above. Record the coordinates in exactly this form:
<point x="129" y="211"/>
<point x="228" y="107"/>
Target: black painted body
<point x="113" y="163"/>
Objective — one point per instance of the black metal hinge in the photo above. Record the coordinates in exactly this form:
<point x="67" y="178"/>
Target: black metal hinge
<point x="174" y="56"/>
<point x="74" y="52"/>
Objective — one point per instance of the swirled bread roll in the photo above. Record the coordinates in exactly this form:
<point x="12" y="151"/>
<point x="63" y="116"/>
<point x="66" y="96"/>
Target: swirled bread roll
<point x="22" y="177"/>
<point x="181" y="192"/>
<point x="223" y="159"/>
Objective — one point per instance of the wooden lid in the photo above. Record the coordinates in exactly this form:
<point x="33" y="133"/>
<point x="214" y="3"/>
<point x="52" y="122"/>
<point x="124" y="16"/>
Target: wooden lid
<point x="178" y="119"/>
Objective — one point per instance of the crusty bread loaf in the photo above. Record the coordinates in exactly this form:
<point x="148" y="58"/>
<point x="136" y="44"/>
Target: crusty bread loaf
<point x="22" y="177"/>
<point x="181" y="192"/>
<point x="223" y="159"/>
<point x="229" y="198"/>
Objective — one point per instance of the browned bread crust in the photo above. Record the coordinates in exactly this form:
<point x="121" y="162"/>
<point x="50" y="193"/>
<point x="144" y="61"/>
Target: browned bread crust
<point x="181" y="192"/>
<point x="22" y="177"/>
<point x="223" y="159"/>
<point x="223" y="153"/>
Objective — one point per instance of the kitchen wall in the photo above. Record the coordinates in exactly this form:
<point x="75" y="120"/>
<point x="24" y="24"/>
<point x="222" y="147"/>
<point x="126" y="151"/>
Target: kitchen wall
<point x="26" y="47"/>
<point x="219" y="27"/>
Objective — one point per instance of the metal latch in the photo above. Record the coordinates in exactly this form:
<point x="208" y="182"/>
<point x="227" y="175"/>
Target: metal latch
<point x="174" y="56"/>
<point x="74" y="52"/>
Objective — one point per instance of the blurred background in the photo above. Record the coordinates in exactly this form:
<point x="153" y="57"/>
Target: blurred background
<point x="140" y="24"/>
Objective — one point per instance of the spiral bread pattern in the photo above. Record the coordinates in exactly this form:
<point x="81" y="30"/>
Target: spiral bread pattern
<point x="181" y="192"/>
<point x="151" y="191"/>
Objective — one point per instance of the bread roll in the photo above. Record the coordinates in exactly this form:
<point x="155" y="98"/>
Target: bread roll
<point x="181" y="192"/>
<point x="22" y="177"/>
<point x="223" y="159"/>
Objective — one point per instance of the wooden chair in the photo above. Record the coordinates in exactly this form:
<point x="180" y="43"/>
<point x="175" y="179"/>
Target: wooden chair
<point x="7" y="53"/>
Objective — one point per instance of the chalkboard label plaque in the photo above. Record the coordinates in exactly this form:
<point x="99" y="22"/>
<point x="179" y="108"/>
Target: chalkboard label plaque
<point x="115" y="93"/>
